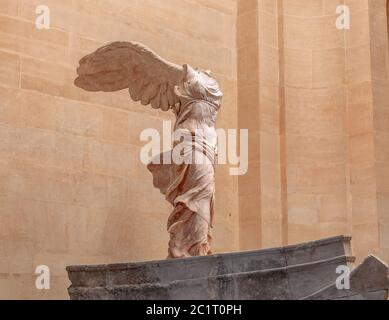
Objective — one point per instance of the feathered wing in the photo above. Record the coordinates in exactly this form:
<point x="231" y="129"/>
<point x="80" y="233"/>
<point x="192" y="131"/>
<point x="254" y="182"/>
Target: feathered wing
<point x="120" y="65"/>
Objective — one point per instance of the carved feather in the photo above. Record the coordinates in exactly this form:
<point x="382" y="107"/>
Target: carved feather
<point x="129" y="65"/>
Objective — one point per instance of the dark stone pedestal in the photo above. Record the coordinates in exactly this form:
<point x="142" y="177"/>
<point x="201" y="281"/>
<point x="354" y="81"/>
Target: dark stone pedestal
<point x="306" y="271"/>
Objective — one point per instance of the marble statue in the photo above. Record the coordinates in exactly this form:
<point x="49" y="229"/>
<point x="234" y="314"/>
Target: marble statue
<point x="195" y="98"/>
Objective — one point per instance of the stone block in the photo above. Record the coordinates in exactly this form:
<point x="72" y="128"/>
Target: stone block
<point x="290" y="272"/>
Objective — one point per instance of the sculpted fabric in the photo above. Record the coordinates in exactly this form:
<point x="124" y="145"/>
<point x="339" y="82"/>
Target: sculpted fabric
<point x="187" y="179"/>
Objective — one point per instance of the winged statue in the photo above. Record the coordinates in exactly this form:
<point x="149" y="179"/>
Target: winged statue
<point x="195" y="99"/>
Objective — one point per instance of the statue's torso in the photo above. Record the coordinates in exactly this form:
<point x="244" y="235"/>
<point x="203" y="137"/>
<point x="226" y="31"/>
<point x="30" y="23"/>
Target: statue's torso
<point x="198" y="117"/>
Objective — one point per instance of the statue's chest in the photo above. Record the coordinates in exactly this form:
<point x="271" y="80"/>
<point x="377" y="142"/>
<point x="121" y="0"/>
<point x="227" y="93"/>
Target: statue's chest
<point x="197" y="113"/>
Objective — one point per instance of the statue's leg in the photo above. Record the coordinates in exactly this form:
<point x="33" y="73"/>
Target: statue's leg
<point x="190" y="234"/>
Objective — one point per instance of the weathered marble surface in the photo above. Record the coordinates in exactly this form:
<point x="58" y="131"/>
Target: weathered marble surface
<point x="195" y="99"/>
<point x="293" y="272"/>
<point x="369" y="281"/>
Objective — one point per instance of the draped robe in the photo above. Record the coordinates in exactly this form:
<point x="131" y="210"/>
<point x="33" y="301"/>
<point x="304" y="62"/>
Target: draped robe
<point x="190" y="186"/>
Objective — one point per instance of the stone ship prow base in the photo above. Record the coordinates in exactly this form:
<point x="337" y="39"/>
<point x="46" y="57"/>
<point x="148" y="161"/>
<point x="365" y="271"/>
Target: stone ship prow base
<point x="305" y="271"/>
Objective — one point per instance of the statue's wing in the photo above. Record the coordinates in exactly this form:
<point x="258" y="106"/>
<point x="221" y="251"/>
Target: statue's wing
<point x="122" y="65"/>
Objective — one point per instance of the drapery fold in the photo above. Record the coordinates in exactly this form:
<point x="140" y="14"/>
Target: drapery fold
<point x="190" y="188"/>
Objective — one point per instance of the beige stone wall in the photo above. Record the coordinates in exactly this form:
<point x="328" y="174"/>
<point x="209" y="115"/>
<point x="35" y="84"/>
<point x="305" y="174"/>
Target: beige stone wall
<point x="262" y="205"/>
<point x="315" y="110"/>
<point x="72" y="190"/>
<point x="379" y="47"/>
<point x="319" y="122"/>
<point x="248" y="118"/>
<point x="363" y="206"/>
<point x="314" y="98"/>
